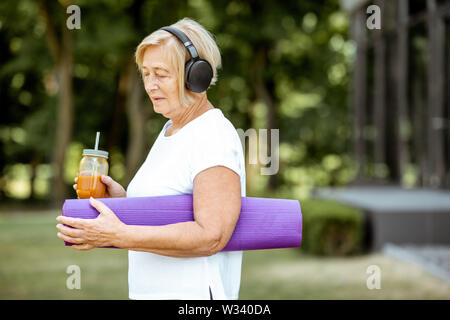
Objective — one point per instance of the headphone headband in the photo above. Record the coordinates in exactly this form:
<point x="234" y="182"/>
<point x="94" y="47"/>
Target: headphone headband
<point x="184" y="40"/>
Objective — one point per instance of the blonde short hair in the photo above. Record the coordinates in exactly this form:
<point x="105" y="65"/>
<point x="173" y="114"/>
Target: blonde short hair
<point x="203" y="41"/>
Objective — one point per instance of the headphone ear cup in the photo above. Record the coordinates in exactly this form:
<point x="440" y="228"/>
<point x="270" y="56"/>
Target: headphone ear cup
<point x="187" y="70"/>
<point x="198" y="75"/>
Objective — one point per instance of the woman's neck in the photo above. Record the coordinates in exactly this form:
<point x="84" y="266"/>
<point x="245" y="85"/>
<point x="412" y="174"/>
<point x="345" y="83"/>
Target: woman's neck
<point x="190" y="113"/>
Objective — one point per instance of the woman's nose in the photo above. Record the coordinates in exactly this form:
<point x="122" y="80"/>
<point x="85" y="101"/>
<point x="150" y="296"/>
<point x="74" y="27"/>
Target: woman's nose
<point x="151" y="84"/>
<point x="151" y="87"/>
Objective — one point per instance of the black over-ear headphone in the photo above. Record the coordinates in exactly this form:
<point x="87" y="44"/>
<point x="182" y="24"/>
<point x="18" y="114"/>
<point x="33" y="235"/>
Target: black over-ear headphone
<point x="197" y="71"/>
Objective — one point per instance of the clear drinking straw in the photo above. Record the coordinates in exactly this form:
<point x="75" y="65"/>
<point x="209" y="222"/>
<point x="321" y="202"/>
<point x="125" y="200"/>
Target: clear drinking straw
<point x="97" y="138"/>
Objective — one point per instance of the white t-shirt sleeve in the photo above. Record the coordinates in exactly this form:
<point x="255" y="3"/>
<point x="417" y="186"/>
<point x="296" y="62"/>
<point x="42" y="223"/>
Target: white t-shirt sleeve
<point x="217" y="147"/>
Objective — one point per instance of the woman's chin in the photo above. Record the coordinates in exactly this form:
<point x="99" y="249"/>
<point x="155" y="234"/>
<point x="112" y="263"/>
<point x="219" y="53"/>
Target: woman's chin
<point x="157" y="108"/>
<point x="161" y="110"/>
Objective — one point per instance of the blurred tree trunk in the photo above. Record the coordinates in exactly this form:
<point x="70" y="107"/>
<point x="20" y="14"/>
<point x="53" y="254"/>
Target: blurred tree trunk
<point x="359" y="93"/>
<point x="263" y="92"/>
<point x="380" y="98"/>
<point x="419" y="119"/>
<point x="251" y="170"/>
<point x="35" y="161"/>
<point x="119" y="107"/>
<point x="137" y="108"/>
<point x="435" y="70"/>
<point x="62" y="53"/>
<point x="393" y="111"/>
<point x="447" y="171"/>
<point x="138" y="112"/>
<point x="402" y="87"/>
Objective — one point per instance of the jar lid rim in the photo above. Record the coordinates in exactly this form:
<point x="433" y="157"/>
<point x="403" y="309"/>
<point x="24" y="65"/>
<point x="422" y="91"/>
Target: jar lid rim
<point x="93" y="152"/>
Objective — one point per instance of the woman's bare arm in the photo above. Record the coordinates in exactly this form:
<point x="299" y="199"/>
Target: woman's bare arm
<point x="216" y="203"/>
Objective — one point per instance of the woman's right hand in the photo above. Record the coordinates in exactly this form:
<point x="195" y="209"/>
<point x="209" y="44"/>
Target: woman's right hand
<point x="113" y="188"/>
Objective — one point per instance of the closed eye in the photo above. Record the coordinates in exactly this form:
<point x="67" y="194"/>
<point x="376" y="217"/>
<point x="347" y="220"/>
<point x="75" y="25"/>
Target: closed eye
<point x="158" y="75"/>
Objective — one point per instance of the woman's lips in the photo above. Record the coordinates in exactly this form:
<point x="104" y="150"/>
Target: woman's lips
<point x="157" y="100"/>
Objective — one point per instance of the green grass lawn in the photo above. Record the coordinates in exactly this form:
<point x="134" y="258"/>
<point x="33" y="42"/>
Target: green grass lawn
<point x="33" y="263"/>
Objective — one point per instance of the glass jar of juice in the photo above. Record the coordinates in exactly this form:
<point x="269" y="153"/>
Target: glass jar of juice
<point x="93" y="165"/>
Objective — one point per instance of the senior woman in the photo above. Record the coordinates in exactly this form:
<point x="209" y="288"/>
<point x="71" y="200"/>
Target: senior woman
<point x="198" y="151"/>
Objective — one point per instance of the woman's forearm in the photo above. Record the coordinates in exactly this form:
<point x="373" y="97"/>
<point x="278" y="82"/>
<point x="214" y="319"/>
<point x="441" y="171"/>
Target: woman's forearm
<point x="184" y="239"/>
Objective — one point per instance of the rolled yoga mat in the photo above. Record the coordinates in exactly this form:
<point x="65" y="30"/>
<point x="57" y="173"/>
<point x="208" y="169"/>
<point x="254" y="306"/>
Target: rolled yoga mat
<point x="264" y="223"/>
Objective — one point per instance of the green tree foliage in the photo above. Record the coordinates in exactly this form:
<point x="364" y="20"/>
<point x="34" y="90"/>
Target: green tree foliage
<point x="285" y="66"/>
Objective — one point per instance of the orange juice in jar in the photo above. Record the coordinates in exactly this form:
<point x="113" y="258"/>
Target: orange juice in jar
<point x="93" y="165"/>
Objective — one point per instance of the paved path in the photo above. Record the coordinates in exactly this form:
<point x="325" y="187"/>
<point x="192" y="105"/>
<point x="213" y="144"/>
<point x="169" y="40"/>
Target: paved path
<point x="389" y="199"/>
<point x="433" y="259"/>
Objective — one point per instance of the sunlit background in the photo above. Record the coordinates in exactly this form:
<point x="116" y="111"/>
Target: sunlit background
<point x="284" y="67"/>
<point x="362" y="114"/>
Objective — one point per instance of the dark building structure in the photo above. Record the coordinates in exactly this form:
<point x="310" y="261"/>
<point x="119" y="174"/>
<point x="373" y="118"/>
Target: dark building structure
<point x="400" y="99"/>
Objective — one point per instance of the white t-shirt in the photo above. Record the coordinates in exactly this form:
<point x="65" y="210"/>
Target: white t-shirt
<point x="171" y="165"/>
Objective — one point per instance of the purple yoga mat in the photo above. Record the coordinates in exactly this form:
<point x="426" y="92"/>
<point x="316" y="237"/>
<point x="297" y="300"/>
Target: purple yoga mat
<point x="264" y="223"/>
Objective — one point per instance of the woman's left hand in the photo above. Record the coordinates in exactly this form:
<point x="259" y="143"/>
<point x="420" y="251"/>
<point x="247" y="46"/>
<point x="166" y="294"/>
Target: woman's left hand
<point x="102" y="231"/>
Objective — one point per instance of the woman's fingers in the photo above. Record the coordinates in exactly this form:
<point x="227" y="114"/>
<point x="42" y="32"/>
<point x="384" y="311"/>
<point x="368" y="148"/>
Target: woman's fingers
<point x="85" y="246"/>
<point x="107" y="180"/>
<point x="62" y="236"/>
<point x="71" y="232"/>
<point x="100" y="206"/>
<point x="113" y="188"/>
<point x="73" y="222"/>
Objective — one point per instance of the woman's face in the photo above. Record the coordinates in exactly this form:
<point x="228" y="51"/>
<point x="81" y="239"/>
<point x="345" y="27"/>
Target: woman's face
<point x="160" y="81"/>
